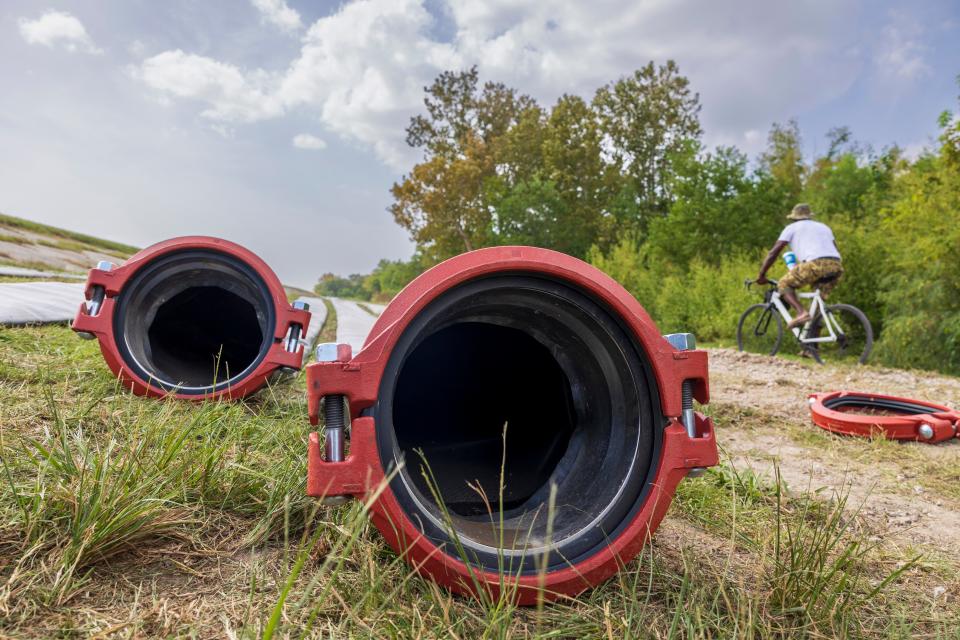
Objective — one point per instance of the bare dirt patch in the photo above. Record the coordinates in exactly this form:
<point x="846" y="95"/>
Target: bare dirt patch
<point x="903" y="489"/>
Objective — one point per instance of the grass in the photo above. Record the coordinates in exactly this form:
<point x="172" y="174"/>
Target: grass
<point x="328" y="333"/>
<point x="367" y="308"/>
<point x="130" y="517"/>
<point x="37" y="265"/>
<point x="85" y="241"/>
<point x="14" y="239"/>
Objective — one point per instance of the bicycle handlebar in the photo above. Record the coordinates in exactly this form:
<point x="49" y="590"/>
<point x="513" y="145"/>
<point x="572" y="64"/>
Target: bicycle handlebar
<point x="748" y="282"/>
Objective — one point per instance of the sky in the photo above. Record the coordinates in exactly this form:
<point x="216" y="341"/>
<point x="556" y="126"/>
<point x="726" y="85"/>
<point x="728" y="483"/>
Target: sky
<point x="279" y="124"/>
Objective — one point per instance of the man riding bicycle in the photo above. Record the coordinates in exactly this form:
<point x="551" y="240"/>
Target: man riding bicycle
<point x="817" y="254"/>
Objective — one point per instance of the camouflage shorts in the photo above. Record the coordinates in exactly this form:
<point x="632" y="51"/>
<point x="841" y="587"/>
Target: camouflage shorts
<point x="812" y="273"/>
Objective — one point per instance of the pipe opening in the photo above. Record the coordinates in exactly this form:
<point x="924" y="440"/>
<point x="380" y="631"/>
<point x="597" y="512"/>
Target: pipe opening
<point x="204" y="334"/>
<point x="480" y="379"/>
<point x="194" y="321"/>
<point x="579" y="403"/>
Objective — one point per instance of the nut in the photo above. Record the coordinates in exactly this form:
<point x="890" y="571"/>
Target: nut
<point x="333" y="352"/>
<point x="682" y="341"/>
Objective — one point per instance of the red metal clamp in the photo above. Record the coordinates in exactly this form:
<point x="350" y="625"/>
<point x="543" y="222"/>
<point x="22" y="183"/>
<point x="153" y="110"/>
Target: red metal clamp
<point x="867" y="415"/>
<point x="107" y="285"/>
<point x="678" y="373"/>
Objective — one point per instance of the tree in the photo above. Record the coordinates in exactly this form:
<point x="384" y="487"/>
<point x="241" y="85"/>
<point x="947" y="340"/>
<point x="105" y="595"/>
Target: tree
<point x="550" y="188"/>
<point x="783" y="159"/>
<point x="390" y="276"/>
<point x="440" y="202"/>
<point x="330" y="284"/>
<point x="647" y="118"/>
<point x="719" y="209"/>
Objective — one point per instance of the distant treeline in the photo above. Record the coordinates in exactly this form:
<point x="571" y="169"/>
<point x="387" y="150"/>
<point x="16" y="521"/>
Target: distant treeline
<point x="624" y="182"/>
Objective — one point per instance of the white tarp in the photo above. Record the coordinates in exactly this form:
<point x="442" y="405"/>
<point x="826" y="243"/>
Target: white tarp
<point x="353" y="323"/>
<point x="39" y="302"/>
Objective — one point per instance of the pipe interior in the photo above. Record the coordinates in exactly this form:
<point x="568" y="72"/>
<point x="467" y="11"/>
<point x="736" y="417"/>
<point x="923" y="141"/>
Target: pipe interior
<point x="555" y="370"/>
<point x="524" y="410"/>
<point x="195" y="321"/>
<point x="203" y="334"/>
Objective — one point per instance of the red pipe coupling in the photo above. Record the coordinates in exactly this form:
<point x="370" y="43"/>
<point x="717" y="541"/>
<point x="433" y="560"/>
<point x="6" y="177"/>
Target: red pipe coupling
<point x="518" y="424"/>
<point x="194" y="317"/>
<point x="867" y="415"/>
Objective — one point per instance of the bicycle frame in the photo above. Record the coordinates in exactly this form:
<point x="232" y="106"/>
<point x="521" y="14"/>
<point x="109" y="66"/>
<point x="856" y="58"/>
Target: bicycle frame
<point x="816" y="307"/>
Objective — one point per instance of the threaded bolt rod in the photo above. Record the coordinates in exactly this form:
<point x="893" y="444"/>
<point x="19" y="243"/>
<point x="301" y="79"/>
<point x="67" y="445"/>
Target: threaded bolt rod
<point x="334" y="424"/>
<point x="689" y="420"/>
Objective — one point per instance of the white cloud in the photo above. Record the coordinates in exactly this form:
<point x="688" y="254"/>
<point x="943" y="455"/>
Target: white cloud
<point x="136" y="49"/>
<point x="58" y="28"/>
<point x="232" y="94"/>
<point x="277" y="13"/>
<point x="901" y="52"/>
<point x="307" y="141"/>
<point x="362" y="69"/>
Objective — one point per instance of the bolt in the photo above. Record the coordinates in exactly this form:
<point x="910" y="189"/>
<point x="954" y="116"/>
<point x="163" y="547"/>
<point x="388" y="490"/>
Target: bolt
<point x="811" y="400"/>
<point x="96" y="298"/>
<point x="334" y="421"/>
<point x="687" y="342"/>
<point x="925" y="431"/>
<point x="294" y="333"/>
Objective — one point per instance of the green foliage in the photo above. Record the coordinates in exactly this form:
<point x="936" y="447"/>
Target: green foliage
<point x="624" y="182"/>
<point x="390" y="277"/>
<point x="79" y="239"/>
<point x="706" y="297"/>
<point x="647" y="118"/>
<point x="500" y="169"/>
<point x="783" y="158"/>
<point x="897" y="226"/>
<point x="336" y="286"/>
<point x="718" y="209"/>
<point x="380" y="285"/>
<point x="921" y="292"/>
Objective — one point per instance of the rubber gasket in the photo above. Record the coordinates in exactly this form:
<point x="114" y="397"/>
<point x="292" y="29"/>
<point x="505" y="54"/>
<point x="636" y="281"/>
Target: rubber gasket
<point x="902" y="418"/>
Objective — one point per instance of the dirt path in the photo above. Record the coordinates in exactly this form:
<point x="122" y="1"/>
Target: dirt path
<point x="904" y="488"/>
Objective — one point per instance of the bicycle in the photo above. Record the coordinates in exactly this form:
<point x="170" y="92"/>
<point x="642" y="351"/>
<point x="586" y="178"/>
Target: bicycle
<point x="848" y="331"/>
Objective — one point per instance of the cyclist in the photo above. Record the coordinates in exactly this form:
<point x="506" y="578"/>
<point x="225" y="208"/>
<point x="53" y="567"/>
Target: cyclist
<point x="817" y="255"/>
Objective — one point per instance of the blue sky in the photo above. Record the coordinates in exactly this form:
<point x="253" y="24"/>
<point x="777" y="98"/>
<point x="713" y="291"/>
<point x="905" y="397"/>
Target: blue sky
<point x="280" y="124"/>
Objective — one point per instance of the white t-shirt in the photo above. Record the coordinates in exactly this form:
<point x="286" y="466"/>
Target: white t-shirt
<point x="810" y="240"/>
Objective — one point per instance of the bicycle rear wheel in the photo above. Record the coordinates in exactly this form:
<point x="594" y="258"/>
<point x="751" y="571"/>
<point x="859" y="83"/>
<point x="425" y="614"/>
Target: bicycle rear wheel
<point x="854" y="335"/>
<point x="760" y="329"/>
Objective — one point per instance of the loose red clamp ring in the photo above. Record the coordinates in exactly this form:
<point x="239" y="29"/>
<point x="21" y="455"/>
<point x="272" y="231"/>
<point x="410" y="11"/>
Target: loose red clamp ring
<point x="895" y="418"/>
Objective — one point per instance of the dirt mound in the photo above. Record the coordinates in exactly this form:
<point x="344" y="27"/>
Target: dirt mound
<point x="910" y="492"/>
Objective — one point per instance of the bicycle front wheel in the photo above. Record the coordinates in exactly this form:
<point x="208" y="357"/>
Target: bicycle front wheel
<point x="760" y="329"/>
<point x="854" y="334"/>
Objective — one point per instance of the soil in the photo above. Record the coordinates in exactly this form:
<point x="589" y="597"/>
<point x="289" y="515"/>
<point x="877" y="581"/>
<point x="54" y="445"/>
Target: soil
<point x="771" y="429"/>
